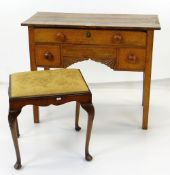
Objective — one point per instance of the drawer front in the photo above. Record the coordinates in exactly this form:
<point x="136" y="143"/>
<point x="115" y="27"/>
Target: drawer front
<point x="131" y="59"/>
<point x="76" y="36"/>
<point x="47" y="56"/>
<point x="75" y="53"/>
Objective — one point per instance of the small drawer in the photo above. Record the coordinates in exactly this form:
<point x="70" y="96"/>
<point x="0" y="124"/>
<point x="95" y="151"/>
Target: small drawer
<point x="81" y="36"/>
<point x="131" y="59"/>
<point x="74" y="53"/>
<point x="47" y="56"/>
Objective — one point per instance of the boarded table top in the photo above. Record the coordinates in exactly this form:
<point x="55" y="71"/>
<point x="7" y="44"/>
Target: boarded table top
<point x="100" y="21"/>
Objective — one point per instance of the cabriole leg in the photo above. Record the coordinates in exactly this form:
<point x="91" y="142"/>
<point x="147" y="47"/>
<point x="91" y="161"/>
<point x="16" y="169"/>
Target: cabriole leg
<point x="77" y="127"/>
<point x="12" y="118"/>
<point x="17" y="128"/>
<point x="90" y="110"/>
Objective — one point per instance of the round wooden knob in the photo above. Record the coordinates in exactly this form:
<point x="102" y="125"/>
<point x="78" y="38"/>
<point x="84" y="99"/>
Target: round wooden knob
<point x="48" y="55"/>
<point x="117" y="37"/>
<point x="132" y="58"/>
<point x="61" y="37"/>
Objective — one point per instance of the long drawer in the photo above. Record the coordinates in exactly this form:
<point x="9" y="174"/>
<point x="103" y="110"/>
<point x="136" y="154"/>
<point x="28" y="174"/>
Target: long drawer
<point x="81" y="36"/>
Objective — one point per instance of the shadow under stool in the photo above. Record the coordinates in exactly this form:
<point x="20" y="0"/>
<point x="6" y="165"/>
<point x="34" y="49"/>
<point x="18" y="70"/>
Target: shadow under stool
<point x="43" y="88"/>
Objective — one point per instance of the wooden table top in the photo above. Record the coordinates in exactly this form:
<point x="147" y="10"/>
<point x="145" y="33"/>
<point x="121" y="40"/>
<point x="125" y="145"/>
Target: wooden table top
<point x="96" y="21"/>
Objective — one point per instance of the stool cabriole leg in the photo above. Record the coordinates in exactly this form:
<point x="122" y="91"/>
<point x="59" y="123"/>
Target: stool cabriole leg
<point x="12" y="118"/>
<point x="90" y="110"/>
<point x="77" y="127"/>
<point x="17" y="128"/>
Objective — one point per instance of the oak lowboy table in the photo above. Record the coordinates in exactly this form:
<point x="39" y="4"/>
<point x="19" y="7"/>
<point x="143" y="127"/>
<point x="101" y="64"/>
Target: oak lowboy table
<point x="122" y="42"/>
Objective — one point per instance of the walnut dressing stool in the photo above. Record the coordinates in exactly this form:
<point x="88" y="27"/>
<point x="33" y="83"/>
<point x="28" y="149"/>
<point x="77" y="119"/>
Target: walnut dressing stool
<point x="43" y="88"/>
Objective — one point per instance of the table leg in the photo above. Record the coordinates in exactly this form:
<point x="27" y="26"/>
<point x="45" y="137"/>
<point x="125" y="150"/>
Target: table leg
<point x="90" y="110"/>
<point x="143" y="89"/>
<point x="147" y="78"/>
<point x="36" y="114"/>
<point x="77" y="127"/>
<point x="146" y="97"/>
<point x="33" y="66"/>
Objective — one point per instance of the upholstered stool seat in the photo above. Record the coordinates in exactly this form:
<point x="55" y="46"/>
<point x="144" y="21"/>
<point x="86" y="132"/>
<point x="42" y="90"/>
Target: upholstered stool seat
<point x="49" y="82"/>
<point x="43" y="88"/>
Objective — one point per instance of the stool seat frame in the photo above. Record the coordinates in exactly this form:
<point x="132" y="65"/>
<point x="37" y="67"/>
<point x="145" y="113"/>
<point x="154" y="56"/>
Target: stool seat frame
<point x="82" y="99"/>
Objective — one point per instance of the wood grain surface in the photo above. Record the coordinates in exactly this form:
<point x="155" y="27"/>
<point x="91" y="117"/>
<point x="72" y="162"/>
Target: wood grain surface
<point x="107" y="21"/>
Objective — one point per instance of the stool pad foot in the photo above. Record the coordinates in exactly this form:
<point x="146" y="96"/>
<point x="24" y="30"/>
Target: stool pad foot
<point x="89" y="157"/>
<point x="17" y="165"/>
<point x="77" y="128"/>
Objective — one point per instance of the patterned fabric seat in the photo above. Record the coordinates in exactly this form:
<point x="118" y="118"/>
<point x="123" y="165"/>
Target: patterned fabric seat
<point x="50" y="82"/>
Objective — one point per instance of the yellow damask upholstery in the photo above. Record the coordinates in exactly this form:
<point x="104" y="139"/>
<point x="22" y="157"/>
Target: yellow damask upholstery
<point x="49" y="82"/>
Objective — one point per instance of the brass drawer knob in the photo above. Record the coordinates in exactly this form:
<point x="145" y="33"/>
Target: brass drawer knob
<point x="61" y="37"/>
<point x="117" y="38"/>
<point x="48" y="55"/>
<point x="132" y="59"/>
<point x="88" y="34"/>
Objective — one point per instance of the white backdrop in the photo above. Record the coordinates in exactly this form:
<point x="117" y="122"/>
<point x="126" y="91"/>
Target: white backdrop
<point x="14" y="53"/>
